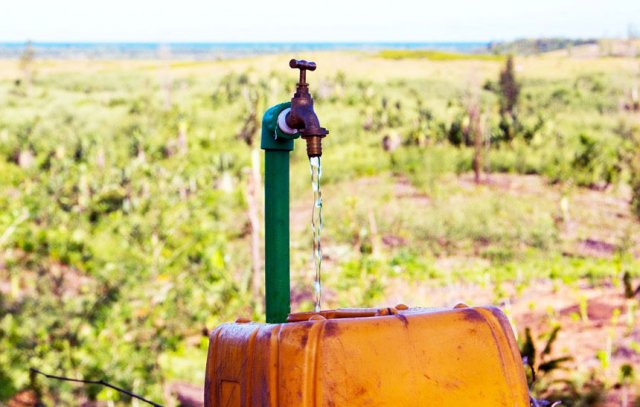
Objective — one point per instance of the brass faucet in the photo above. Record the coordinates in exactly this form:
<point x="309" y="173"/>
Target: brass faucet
<point x="302" y="117"/>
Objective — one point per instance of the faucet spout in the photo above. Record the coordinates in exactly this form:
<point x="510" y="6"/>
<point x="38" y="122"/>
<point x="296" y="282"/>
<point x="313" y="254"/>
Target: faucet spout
<point x="302" y="116"/>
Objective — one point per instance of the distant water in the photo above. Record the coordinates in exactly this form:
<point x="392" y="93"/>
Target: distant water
<point x="209" y="51"/>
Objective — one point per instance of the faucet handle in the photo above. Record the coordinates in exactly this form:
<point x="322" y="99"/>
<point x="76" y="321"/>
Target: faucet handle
<point x="303" y="66"/>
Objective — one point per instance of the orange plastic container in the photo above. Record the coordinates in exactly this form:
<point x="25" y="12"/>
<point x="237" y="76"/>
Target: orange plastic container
<point x="368" y="357"/>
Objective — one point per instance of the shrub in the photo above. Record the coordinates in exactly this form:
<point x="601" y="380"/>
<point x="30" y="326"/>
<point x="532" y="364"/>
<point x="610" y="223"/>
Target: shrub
<point x="509" y="89"/>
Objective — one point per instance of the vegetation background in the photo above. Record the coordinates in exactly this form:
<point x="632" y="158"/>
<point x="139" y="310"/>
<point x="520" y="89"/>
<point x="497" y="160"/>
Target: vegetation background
<point x="130" y="208"/>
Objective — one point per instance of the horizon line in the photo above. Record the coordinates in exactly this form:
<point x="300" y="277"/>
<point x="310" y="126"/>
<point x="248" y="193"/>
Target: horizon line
<point x="345" y="42"/>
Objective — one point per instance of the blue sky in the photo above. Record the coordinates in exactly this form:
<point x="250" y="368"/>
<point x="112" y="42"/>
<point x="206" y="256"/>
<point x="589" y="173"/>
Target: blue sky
<point x="308" y="20"/>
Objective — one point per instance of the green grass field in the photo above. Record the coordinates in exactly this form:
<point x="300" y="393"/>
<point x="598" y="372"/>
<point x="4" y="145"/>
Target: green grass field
<point x="124" y="209"/>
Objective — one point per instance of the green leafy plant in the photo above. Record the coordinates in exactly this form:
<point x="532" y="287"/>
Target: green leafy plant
<point x="539" y="362"/>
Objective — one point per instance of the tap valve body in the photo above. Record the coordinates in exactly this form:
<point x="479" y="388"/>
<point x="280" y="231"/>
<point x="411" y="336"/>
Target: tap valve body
<point x="302" y="117"/>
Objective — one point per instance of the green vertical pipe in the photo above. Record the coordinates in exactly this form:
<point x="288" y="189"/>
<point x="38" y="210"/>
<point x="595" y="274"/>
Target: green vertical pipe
<point x="277" y="146"/>
<point x="276" y="219"/>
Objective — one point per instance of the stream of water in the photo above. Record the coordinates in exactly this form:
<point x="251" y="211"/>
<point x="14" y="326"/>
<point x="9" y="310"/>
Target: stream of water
<point x="316" y="226"/>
